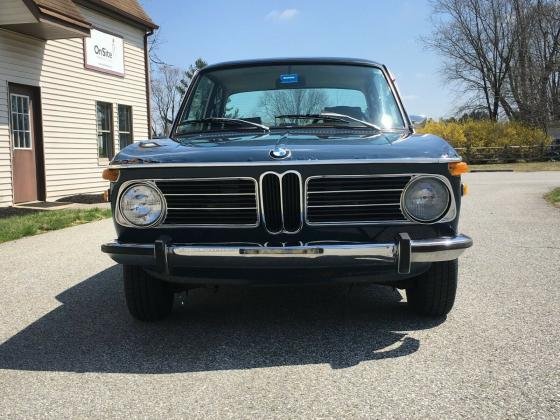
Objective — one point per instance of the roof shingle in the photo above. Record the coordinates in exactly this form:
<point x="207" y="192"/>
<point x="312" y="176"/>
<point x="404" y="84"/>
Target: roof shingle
<point x="63" y="7"/>
<point x="128" y="9"/>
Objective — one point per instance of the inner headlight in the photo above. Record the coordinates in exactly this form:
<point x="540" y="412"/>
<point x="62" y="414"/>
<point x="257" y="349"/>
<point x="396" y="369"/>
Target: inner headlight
<point x="142" y="205"/>
<point x="426" y="199"/>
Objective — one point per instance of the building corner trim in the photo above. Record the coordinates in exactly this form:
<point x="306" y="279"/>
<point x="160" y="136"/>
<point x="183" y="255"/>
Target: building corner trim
<point x="148" y="81"/>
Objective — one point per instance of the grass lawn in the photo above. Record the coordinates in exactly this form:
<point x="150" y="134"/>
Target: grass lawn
<point x="518" y="167"/>
<point x="553" y="197"/>
<point x="27" y="224"/>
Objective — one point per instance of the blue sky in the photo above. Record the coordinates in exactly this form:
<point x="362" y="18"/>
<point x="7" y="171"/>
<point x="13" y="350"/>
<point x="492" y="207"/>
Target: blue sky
<point x="385" y="31"/>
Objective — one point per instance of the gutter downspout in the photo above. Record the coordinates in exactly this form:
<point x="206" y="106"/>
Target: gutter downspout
<point x="148" y="89"/>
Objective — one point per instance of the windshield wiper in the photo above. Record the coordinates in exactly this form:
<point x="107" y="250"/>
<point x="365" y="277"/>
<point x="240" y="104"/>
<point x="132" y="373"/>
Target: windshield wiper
<point x="224" y="122"/>
<point x="329" y="116"/>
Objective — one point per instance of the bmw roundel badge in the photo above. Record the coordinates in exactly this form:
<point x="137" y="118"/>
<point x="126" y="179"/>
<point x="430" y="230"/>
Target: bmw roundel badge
<point x="280" y="152"/>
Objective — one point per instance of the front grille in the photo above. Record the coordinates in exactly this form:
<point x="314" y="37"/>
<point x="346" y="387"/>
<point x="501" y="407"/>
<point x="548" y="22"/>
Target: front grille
<point x="355" y="199"/>
<point x="210" y="202"/>
<point x="272" y="206"/>
<point x="281" y="202"/>
<point x="291" y="202"/>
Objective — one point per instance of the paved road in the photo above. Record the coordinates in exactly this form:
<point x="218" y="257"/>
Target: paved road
<point x="69" y="349"/>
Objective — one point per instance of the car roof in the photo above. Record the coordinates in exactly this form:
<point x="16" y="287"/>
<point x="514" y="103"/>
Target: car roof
<point x="298" y="60"/>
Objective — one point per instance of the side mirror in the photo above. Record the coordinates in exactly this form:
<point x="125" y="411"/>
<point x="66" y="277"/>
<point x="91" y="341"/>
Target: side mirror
<point x="418" y="121"/>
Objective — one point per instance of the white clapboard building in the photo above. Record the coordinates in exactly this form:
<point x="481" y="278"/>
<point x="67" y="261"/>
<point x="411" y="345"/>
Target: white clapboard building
<point x="74" y="83"/>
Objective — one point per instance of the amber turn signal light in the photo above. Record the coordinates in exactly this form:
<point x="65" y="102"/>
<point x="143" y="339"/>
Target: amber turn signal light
<point x="464" y="189"/>
<point x="458" y="168"/>
<point x="110" y="174"/>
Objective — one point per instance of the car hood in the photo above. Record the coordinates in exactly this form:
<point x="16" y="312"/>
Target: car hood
<point x="237" y="147"/>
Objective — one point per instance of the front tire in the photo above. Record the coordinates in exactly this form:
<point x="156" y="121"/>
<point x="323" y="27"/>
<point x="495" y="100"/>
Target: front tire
<point x="148" y="299"/>
<point x="433" y="293"/>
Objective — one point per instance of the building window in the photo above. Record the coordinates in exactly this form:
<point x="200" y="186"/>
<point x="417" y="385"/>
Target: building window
<point x="104" y="129"/>
<point x="125" y="126"/>
<point x="21" y="127"/>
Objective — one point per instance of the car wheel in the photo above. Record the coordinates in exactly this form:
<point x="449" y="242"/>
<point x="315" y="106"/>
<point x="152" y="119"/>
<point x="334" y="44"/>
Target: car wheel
<point x="148" y="299"/>
<point x="433" y="293"/>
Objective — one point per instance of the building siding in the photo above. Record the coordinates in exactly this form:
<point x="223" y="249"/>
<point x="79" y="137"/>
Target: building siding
<point x="68" y="96"/>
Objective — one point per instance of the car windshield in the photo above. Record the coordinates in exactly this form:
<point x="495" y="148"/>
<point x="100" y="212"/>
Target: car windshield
<point x="296" y="96"/>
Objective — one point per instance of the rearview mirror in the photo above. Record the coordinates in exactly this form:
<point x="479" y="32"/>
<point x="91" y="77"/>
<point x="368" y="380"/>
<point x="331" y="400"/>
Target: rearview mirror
<point x="418" y="121"/>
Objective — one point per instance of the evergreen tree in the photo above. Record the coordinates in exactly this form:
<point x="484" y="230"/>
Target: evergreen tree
<point x="200" y="63"/>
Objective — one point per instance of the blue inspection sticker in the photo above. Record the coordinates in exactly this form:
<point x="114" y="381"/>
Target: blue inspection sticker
<point x="289" y="78"/>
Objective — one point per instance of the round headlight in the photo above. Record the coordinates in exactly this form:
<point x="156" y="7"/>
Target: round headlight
<point x="142" y="205"/>
<point x="426" y="199"/>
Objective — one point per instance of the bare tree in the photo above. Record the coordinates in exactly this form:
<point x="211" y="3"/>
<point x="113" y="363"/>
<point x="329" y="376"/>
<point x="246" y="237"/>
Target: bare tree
<point x="474" y="38"/>
<point x="154" y="43"/>
<point x="165" y="98"/>
<point x="535" y="72"/>
<point x="293" y="101"/>
<point x="502" y="54"/>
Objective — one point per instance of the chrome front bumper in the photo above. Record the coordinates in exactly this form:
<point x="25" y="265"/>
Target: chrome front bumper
<point x="402" y="253"/>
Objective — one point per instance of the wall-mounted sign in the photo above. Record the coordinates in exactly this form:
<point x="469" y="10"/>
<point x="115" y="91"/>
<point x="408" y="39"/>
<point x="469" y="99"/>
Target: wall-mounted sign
<point x="104" y="52"/>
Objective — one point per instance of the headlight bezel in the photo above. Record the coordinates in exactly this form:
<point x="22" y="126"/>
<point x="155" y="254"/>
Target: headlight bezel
<point x="121" y="218"/>
<point x="449" y="212"/>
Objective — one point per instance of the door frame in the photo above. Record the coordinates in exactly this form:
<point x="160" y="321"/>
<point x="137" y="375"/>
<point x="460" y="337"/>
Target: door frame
<point x="37" y="138"/>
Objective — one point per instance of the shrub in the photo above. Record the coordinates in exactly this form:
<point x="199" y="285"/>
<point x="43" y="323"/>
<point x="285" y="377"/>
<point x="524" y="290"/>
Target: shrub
<point x="486" y="133"/>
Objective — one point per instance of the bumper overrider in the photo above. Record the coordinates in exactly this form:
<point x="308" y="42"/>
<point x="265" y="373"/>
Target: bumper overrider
<point x="399" y="257"/>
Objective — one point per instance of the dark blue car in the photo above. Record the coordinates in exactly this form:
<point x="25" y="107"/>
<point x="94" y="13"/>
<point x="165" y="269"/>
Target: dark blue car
<point x="287" y="171"/>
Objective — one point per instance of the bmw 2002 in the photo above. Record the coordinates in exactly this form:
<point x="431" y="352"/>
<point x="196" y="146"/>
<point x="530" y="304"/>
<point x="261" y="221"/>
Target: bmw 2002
<point x="288" y="171"/>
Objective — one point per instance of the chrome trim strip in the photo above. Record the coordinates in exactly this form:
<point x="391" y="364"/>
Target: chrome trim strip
<point x="379" y="251"/>
<point x="175" y="225"/>
<point x="365" y="176"/>
<point x="373" y="222"/>
<point x="211" y="208"/>
<point x="125" y="245"/>
<point x="354" y="191"/>
<point x="221" y="244"/>
<point x="391" y="81"/>
<point x="353" y="205"/>
<point x="280" y="177"/>
<point x="208" y="194"/>
<point x="285" y="163"/>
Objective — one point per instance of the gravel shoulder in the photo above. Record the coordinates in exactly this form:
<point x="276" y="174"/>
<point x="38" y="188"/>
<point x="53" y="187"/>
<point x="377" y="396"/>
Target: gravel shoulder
<point x="69" y="349"/>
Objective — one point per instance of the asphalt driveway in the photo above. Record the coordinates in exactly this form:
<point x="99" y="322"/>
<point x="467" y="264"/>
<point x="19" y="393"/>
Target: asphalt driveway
<point x="68" y="347"/>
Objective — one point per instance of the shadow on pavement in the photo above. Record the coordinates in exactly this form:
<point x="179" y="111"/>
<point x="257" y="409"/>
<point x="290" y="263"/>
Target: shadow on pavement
<point x="233" y="328"/>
